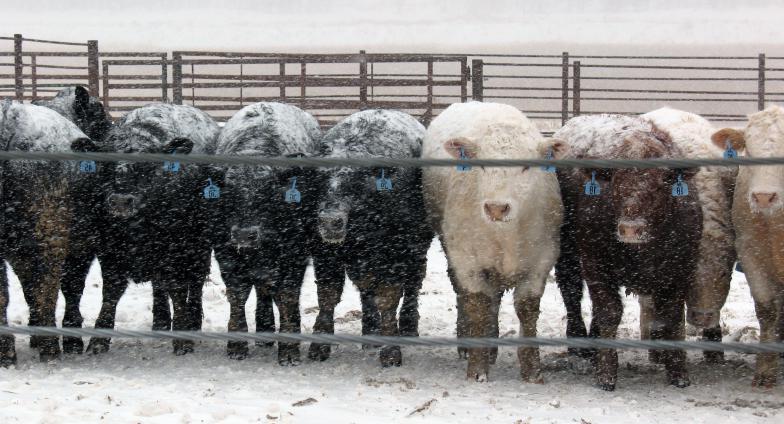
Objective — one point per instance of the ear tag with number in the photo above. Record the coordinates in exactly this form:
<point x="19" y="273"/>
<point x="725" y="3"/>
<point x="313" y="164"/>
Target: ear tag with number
<point x="729" y="152"/>
<point x="211" y="191"/>
<point x="680" y="188"/>
<point x="463" y="156"/>
<point x="548" y="156"/>
<point x="87" y="166"/>
<point x="383" y="183"/>
<point x="292" y="194"/>
<point x="592" y="187"/>
<point x="171" y="165"/>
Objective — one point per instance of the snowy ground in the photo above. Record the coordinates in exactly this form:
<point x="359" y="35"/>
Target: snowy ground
<point x="141" y="381"/>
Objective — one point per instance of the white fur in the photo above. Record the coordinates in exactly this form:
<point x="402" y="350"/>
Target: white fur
<point x="764" y="136"/>
<point x="522" y="249"/>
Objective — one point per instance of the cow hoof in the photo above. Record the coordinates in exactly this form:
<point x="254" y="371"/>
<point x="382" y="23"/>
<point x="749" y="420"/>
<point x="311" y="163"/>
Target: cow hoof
<point x="237" y="350"/>
<point x="764" y="381"/>
<point x="479" y="377"/>
<point x="680" y="382"/>
<point x="533" y="378"/>
<point x="288" y="354"/>
<point x="712" y="357"/>
<point x="462" y="353"/>
<point x="98" y="345"/>
<point x="319" y="352"/>
<point x="7" y="361"/>
<point x="183" y="347"/>
<point x="574" y="352"/>
<point x="606" y="383"/>
<point x="655" y="356"/>
<point x="289" y="362"/>
<point x="7" y="351"/>
<point x="73" y="345"/>
<point x="391" y="356"/>
<point x="493" y="355"/>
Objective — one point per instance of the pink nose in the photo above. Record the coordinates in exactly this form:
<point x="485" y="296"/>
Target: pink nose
<point x="764" y="200"/>
<point x="497" y="211"/>
<point x="630" y="231"/>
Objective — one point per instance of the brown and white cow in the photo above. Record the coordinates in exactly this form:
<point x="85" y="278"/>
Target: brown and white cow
<point x="758" y="217"/>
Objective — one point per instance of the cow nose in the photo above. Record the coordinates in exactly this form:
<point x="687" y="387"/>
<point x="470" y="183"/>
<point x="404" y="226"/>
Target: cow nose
<point x="702" y="318"/>
<point x="332" y="223"/>
<point x="122" y="203"/>
<point x="764" y="200"/>
<point x="630" y="230"/>
<point x="497" y="211"/>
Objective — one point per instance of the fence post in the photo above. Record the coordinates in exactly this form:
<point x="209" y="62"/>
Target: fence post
<point x="177" y="78"/>
<point x="105" y="70"/>
<point x="464" y="79"/>
<point x="761" y="83"/>
<point x="477" y="81"/>
<point x="576" y="88"/>
<point x="281" y="81"/>
<point x="363" y="82"/>
<point x="165" y="77"/>
<point x="92" y="67"/>
<point x="429" y="111"/>
<point x="34" y="76"/>
<point x="18" y="68"/>
<point x="564" y="87"/>
<point x="303" y="71"/>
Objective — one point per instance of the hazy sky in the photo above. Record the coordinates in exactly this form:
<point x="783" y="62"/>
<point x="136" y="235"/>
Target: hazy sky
<point x="400" y="24"/>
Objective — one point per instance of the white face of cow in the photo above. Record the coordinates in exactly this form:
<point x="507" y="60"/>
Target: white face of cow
<point x="763" y="137"/>
<point x="501" y="194"/>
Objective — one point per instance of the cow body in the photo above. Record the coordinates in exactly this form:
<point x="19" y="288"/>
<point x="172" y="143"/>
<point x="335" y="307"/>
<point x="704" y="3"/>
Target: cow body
<point x="634" y="234"/>
<point x="148" y="223"/>
<point x="37" y="209"/>
<point x="499" y="226"/>
<point x="377" y="235"/>
<point x="261" y="241"/>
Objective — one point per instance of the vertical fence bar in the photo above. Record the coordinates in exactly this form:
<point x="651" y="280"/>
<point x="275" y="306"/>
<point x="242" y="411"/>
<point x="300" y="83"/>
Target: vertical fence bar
<point x="18" y="68"/>
<point x="429" y="111"/>
<point x="761" y="83"/>
<point x="363" y="82"/>
<point x="464" y="79"/>
<point x="303" y="70"/>
<point x="564" y="87"/>
<point x="92" y="67"/>
<point x="576" y="88"/>
<point x="34" y="76"/>
<point x="177" y="78"/>
<point x="105" y="73"/>
<point x="164" y="77"/>
<point x="242" y="79"/>
<point x="281" y="81"/>
<point x="193" y="85"/>
<point x="477" y="81"/>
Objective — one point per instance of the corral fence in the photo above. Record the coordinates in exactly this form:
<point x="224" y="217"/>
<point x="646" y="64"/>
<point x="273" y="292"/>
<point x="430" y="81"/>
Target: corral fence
<point x="550" y="89"/>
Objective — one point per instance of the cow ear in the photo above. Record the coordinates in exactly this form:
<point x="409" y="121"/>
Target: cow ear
<point x="457" y="145"/>
<point x="179" y="145"/>
<point x="735" y="137"/>
<point x="83" y="144"/>
<point x="559" y="148"/>
<point x="81" y="97"/>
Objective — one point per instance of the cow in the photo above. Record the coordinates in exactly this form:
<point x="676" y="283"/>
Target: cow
<point x="150" y="220"/>
<point x="373" y="227"/>
<point x="499" y="226"/>
<point x="37" y="208"/>
<point x="266" y="219"/>
<point x="629" y="230"/>
<point x="87" y="112"/>
<point x="759" y="225"/>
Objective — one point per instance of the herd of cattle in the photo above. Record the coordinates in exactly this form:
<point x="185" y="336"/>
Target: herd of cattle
<point x="668" y="235"/>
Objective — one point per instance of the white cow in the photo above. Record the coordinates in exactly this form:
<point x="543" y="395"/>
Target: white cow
<point x="499" y="226"/>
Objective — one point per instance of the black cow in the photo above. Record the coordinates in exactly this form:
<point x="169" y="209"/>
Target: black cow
<point x="373" y="227"/>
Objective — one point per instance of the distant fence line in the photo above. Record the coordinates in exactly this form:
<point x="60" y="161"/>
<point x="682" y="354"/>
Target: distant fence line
<point x="548" y="88"/>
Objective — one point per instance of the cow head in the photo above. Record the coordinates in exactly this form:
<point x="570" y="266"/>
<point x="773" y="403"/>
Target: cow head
<point x="86" y="112"/>
<point x="763" y="137"/>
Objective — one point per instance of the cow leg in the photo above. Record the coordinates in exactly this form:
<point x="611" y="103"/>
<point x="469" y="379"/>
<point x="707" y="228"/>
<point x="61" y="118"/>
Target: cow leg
<point x="44" y="288"/>
<point x="607" y="309"/>
<point x="461" y="324"/>
<point x="409" y="310"/>
<point x="114" y="285"/>
<point x="265" y="315"/>
<point x="77" y="265"/>
<point x="570" y="283"/>
<point x="181" y="317"/>
<point x="526" y="301"/>
<point x="767" y="369"/>
<point x="646" y="320"/>
<point x="479" y="310"/>
<point x="7" y="348"/>
<point x="161" y="313"/>
<point x="713" y="335"/>
<point x="237" y="292"/>
<point x="387" y="299"/>
<point x="195" y="307"/>
<point x="286" y="296"/>
<point x="668" y="324"/>
<point x="371" y="317"/>
<point x="330" y="278"/>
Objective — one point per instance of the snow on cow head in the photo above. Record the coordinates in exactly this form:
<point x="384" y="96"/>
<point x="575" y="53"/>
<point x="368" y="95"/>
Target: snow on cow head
<point x="763" y="137"/>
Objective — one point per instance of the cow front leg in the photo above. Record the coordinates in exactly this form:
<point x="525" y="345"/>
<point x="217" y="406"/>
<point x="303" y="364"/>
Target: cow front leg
<point x="237" y="292"/>
<point x="161" y="312"/>
<point x="479" y="314"/>
<point x="646" y="321"/>
<point x="607" y="310"/>
<point x="114" y="285"/>
<point x="181" y="319"/>
<point x="265" y="315"/>
<point x="75" y="271"/>
<point x="526" y="301"/>
<point x="387" y="299"/>
<point x="766" y="372"/>
<point x="409" y="310"/>
<point x="330" y="278"/>
<point x="7" y="347"/>
<point x="287" y="298"/>
<point x="44" y="284"/>
<point x="668" y="324"/>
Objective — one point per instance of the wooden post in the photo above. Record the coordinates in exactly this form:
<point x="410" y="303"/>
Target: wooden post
<point x="464" y="79"/>
<point x="761" y="83"/>
<point x="363" y="82"/>
<point x="576" y="88"/>
<point x="303" y="70"/>
<point x="477" y="81"/>
<point x="18" y="68"/>
<point x="564" y="87"/>
<point x="242" y="80"/>
<point x="34" y="76"/>
<point x="281" y="81"/>
<point x="177" y="78"/>
<point x="105" y="71"/>
<point x="92" y="67"/>
<point x="165" y="77"/>
<point x="429" y="111"/>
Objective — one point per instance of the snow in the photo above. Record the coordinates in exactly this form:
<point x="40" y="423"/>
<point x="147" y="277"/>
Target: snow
<point x="141" y="381"/>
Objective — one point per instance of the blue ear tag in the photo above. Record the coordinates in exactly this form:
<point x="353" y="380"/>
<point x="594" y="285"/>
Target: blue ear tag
<point x="463" y="156"/>
<point x="680" y="189"/>
<point x="87" y="166"/>
<point x="211" y="191"/>
<point x="292" y="194"/>
<point x="548" y="156"/>
<point x="171" y="166"/>
<point x="738" y="267"/>
<point x="592" y="187"/>
<point x="729" y="152"/>
<point x="383" y="183"/>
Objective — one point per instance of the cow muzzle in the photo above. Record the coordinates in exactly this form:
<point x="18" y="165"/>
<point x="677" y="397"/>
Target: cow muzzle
<point x="632" y="232"/>
<point x="497" y="211"/>
<point x="762" y="201"/>
<point x="702" y="318"/>
<point x="123" y="205"/>
<point x="332" y="227"/>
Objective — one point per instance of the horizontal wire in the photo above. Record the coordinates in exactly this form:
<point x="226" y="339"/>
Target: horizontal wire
<point x="385" y="162"/>
<point x="399" y="341"/>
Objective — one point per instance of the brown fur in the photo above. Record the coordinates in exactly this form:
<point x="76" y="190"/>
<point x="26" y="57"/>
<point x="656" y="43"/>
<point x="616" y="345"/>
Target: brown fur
<point x="735" y="137"/>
